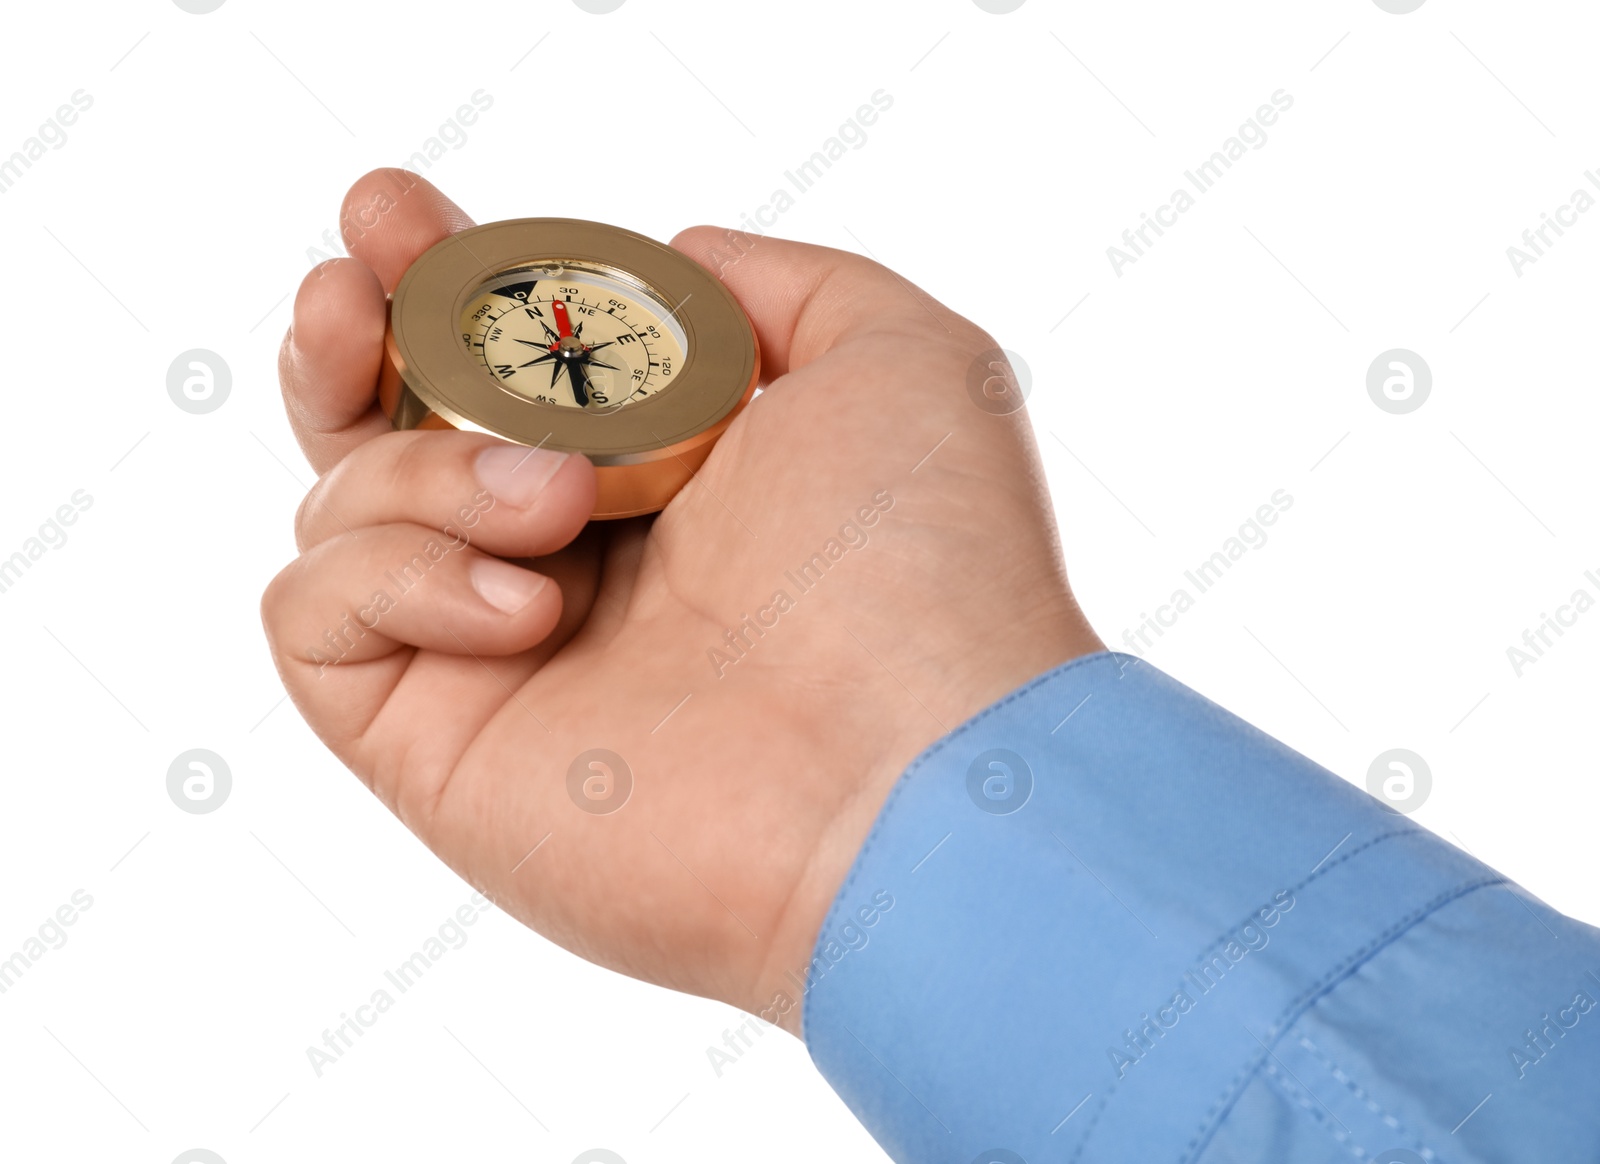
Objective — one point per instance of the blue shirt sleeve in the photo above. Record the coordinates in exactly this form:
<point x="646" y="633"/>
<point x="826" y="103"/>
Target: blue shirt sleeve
<point x="1107" y="921"/>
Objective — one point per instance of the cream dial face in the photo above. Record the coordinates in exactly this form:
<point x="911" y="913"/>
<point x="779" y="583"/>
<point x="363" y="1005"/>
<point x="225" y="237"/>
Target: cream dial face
<point x="574" y="335"/>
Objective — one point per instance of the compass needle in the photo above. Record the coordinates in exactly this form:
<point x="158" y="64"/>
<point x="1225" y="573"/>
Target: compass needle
<point x="580" y="382"/>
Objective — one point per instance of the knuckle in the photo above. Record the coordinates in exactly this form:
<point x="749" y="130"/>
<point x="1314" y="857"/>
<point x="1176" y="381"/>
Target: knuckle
<point x="410" y="458"/>
<point x="276" y="597"/>
<point x="386" y="466"/>
<point x="308" y="519"/>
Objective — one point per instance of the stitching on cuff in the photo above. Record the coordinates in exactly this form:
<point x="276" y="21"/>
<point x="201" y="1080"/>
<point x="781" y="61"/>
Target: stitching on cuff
<point x="1412" y="833"/>
<point x="1388" y="1118"/>
<point x="1303" y="1003"/>
<point x="1297" y="1093"/>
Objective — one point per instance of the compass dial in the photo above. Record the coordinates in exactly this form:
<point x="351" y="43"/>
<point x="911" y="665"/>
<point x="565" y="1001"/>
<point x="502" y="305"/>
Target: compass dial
<point x="574" y="335"/>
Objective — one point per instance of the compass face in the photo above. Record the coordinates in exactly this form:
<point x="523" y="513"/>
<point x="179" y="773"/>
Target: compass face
<point x="575" y="335"/>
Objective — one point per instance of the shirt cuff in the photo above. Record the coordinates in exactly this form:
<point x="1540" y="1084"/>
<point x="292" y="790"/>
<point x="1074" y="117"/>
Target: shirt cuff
<point x="1085" y="921"/>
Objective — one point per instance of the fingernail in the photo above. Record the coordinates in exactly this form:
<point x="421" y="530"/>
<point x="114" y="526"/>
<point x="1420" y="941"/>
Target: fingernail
<point x="514" y="474"/>
<point x="503" y="586"/>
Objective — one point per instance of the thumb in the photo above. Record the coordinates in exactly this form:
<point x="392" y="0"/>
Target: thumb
<point x="804" y="299"/>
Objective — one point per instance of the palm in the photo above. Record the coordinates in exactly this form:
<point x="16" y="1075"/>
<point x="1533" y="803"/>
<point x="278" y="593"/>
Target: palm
<point x="757" y="758"/>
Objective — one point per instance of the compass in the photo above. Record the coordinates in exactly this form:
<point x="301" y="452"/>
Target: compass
<point x="575" y="336"/>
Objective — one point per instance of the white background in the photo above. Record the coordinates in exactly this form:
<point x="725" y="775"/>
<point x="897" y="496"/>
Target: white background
<point x="1170" y="401"/>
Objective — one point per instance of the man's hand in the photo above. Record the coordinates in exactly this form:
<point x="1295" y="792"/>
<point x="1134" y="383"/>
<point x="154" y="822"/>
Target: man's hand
<point x="866" y="560"/>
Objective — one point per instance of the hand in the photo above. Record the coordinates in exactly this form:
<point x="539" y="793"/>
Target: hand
<point x="759" y="754"/>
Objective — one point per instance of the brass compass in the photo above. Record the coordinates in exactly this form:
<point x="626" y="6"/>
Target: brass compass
<point x="577" y="336"/>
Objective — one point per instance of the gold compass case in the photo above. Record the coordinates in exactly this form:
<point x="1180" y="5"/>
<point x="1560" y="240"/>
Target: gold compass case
<point x="644" y="448"/>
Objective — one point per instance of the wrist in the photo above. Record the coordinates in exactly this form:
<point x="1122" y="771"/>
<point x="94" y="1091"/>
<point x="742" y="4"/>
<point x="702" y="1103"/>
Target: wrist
<point x="800" y="953"/>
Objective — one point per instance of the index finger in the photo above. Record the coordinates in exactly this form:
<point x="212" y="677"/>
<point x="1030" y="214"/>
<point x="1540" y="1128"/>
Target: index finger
<point x="330" y="358"/>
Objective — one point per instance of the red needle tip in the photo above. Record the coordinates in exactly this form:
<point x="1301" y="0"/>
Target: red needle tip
<point x="563" y="324"/>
